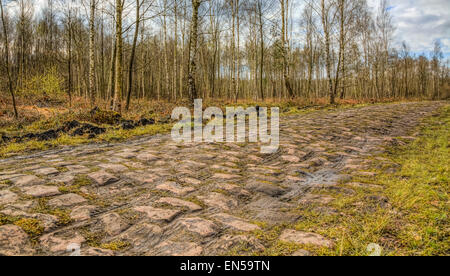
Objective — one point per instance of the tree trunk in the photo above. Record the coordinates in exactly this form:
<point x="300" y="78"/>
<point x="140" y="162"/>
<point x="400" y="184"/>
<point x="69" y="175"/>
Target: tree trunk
<point x="326" y="31"/>
<point x="112" y="74"/>
<point x="175" y="54"/>
<point x="92" y="53"/>
<point x="193" y="40"/>
<point x="341" y="7"/>
<point x="166" y="54"/>
<point x="238" y="74"/>
<point x="261" y="65"/>
<point x="133" y="53"/>
<point x="117" y="105"/>
<point x="284" y="51"/>
<point x="6" y="46"/>
<point x="69" y="62"/>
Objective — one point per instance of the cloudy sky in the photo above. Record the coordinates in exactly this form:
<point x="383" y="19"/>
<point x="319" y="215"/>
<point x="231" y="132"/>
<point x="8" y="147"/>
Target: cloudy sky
<point x="420" y="22"/>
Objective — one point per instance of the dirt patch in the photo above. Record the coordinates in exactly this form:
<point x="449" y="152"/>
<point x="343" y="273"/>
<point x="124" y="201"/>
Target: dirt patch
<point x="88" y="129"/>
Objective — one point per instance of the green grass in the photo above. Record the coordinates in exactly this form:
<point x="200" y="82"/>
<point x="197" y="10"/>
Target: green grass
<point x="420" y="191"/>
<point x="418" y="223"/>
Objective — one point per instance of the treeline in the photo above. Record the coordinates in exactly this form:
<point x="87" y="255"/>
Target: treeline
<point x="121" y="50"/>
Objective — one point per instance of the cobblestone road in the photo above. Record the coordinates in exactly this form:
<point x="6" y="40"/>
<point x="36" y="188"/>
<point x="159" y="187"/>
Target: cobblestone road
<point x="154" y="197"/>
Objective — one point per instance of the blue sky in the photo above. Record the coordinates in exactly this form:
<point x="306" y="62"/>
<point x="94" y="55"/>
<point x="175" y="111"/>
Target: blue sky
<point x="420" y="22"/>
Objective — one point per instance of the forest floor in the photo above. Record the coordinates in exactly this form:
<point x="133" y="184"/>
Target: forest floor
<point x="349" y="181"/>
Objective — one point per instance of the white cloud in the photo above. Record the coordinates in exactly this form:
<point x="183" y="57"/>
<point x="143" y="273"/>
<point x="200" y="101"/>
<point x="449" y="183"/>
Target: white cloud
<point x="420" y="23"/>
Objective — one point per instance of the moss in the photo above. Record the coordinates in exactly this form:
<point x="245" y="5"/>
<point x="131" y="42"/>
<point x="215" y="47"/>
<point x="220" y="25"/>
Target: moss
<point x="115" y="245"/>
<point x="4" y="219"/>
<point x="79" y="182"/>
<point x="269" y="236"/>
<point x="6" y="182"/>
<point x="93" y="239"/>
<point x="62" y="169"/>
<point x="196" y="201"/>
<point x="62" y="215"/>
<point x="131" y="216"/>
<point x="82" y="181"/>
<point x="159" y="193"/>
<point x="69" y="190"/>
<point x="32" y="227"/>
<point x="221" y="191"/>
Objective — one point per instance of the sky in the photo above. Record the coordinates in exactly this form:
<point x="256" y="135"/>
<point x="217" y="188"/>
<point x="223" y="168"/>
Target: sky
<point x="420" y="23"/>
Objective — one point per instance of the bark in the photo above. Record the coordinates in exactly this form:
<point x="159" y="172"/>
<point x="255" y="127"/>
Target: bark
<point x="341" y="7"/>
<point x="193" y="40"/>
<point x="6" y="46"/>
<point x="284" y="51"/>
<point x="325" y="24"/>
<point x="117" y="105"/>
<point x="261" y="38"/>
<point x="166" y="54"/>
<point x="175" y="53"/>
<point x="69" y="62"/>
<point x="238" y="74"/>
<point x="133" y="53"/>
<point x="92" y="53"/>
<point x="112" y="73"/>
<point x="102" y="59"/>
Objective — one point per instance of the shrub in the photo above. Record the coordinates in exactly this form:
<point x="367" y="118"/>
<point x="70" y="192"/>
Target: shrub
<point x="47" y="86"/>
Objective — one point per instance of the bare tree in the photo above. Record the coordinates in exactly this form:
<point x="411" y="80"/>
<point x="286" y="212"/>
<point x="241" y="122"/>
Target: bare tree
<point x="92" y="51"/>
<point x="284" y="50"/>
<point x="193" y="40"/>
<point x="327" y="21"/>
<point x="133" y="51"/>
<point x="6" y="47"/>
<point x="118" y="90"/>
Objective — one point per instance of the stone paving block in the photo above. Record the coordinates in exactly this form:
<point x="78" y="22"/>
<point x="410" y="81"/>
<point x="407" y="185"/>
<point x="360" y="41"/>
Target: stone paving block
<point x="41" y="191"/>
<point x="236" y="223"/>
<point x="14" y="241"/>
<point x="103" y="178"/>
<point x="158" y="215"/>
<point x="304" y="238"/>
<point x="68" y="200"/>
